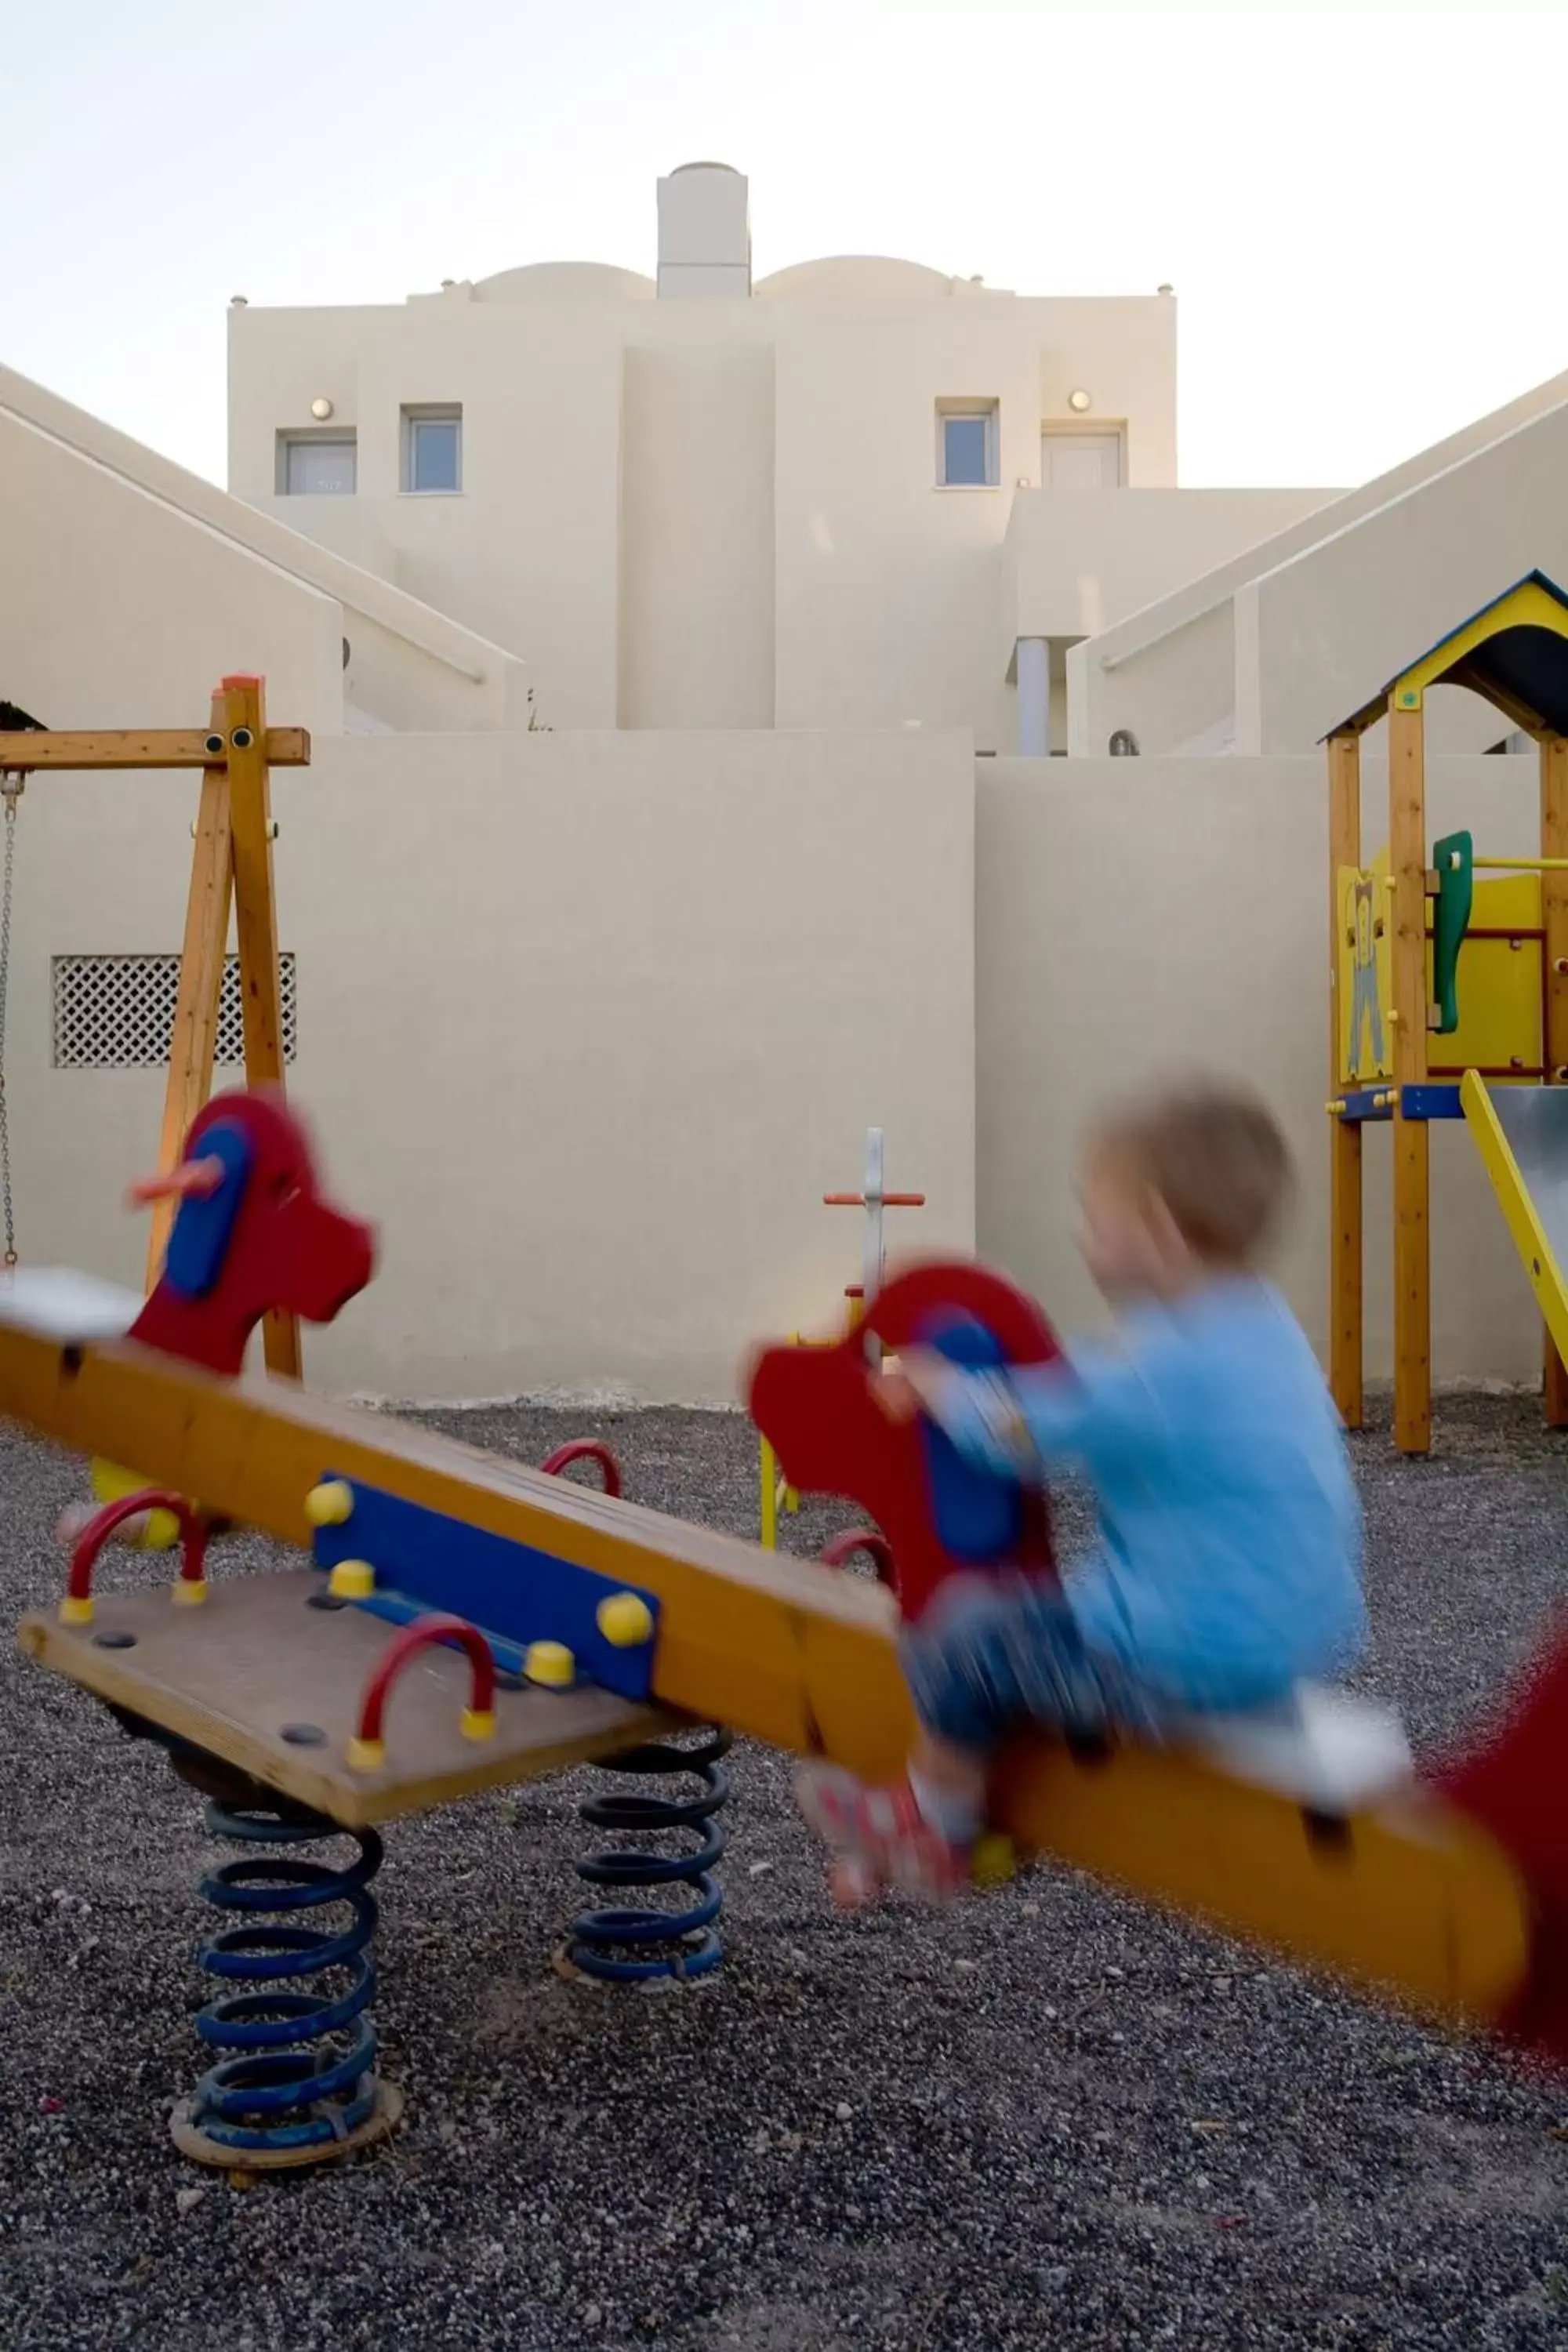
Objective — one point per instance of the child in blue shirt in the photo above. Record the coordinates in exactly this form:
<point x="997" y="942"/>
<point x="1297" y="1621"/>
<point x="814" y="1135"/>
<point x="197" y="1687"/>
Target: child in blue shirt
<point x="1226" y="1564"/>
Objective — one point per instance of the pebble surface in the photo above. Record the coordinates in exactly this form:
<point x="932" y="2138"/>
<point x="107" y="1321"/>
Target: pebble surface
<point x="1048" y="2119"/>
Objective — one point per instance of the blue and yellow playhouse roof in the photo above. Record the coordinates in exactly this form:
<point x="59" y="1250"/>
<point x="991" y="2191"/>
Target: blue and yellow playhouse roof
<point x="1513" y="653"/>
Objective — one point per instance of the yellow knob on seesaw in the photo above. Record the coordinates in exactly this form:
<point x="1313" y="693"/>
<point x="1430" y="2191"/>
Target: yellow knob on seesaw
<point x="551" y="1664"/>
<point x="330" y="1504"/>
<point x="351" y="1580"/>
<point x="993" y="1858"/>
<point x="625" y="1620"/>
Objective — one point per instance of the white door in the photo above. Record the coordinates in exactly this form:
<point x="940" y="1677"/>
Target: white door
<point x="1080" y="461"/>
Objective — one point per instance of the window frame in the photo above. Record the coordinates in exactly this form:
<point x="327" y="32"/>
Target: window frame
<point x="412" y="414"/>
<point x="983" y="411"/>
<point x="290" y="438"/>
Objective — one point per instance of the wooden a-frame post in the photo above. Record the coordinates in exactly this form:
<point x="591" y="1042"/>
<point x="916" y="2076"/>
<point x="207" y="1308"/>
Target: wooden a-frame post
<point x="1345" y="1278"/>
<point x="232" y="867"/>
<point x="1412" y="1137"/>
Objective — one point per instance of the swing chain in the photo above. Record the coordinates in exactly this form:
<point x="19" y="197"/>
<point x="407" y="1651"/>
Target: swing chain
<point x="13" y="783"/>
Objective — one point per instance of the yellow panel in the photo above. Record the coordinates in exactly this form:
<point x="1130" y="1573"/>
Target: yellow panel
<point x="1499" y="984"/>
<point x="1365" y="975"/>
<point x="1525" y="1224"/>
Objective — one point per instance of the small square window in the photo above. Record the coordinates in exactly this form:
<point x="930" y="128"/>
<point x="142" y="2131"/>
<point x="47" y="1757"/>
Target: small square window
<point x="317" y="465"/>
<point x="433" y="449"/>
<point x="966" y="445"/>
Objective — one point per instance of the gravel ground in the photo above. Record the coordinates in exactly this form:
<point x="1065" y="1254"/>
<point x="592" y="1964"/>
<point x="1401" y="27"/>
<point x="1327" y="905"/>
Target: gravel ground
<point x="1048" y="2119"/>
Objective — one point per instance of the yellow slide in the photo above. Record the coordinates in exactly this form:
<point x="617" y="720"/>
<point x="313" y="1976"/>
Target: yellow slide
<point x="1521" y="1132"/>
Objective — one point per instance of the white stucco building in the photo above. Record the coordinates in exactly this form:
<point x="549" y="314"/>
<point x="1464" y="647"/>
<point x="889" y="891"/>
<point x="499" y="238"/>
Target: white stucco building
<point x="856" y="493"/>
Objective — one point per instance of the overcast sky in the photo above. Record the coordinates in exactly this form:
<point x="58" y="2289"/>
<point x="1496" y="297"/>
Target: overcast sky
<point x="1339" y="198"/>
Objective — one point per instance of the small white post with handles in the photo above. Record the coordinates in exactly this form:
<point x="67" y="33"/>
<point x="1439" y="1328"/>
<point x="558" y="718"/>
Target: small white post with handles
<point x="874" y="1199"/>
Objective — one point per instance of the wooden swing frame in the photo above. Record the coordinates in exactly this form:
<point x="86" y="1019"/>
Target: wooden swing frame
<point x="231" y="871"/>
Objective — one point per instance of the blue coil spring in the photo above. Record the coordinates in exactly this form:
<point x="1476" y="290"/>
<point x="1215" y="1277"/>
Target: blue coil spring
<point x="300" y="2068"/>
<point x="631" y="1945"/>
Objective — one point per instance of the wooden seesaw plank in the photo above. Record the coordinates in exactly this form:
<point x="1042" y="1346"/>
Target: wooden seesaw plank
<point x="797" y="1655"/>
<point x="271" y="1683"/>
<point x="1407" y="1894"/>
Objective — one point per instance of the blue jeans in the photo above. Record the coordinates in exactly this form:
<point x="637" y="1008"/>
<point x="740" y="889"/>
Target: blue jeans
<point x="991" y="1653"/>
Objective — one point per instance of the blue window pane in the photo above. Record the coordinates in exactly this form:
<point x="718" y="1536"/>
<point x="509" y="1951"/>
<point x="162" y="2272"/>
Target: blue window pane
<point x="433" y="446"/>
<point x="963" y="449"/>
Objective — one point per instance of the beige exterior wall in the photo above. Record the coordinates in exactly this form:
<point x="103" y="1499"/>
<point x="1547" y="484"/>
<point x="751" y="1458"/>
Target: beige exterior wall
<point x="697" y="536"/>
<point x="129" y="587"/>
<point x="1176" y="695"/>
<point x="1138" y="917"/>
<point x="1454" y="515"/>
<point x="589" y="1030"/>
<point x="125" y="613"/>
<point x="1336" y="624"/>
<point x="1075" y="564"/>
<point x="714" y="510"/>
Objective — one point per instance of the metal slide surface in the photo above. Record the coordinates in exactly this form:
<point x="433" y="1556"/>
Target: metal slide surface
<point x="1521" y="1132"/>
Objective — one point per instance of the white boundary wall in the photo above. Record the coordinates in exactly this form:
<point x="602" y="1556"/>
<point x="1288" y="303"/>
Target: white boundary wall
<point x="1138" y="917"/>
<point x="588" y="1022"/>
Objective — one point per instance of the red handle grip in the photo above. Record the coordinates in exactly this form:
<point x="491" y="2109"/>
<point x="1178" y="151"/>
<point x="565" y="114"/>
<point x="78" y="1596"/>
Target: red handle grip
<point x="426" y="1633"/>
<point x="585" y="1449"/>
<point x="101" y="1525"/>
<point x="191" y="1177"/>
<point x="857" y="1200"/>
<point x="876" y="1547"/>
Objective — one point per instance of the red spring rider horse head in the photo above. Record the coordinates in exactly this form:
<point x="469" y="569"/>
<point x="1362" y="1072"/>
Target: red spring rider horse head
<point x="818" y="1409"/>
<point x="252" y="1234"/>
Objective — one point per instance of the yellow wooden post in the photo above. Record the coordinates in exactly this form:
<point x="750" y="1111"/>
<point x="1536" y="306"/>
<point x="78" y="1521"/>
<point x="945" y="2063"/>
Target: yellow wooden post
<point x="1554" y="948"/>
<point x="1345" y="1346"/>
<point x="1412" y="1187"/>
<point x="256" y="923"/>
<point x="768" y="1497"/>
<point x="194" y="1037"/>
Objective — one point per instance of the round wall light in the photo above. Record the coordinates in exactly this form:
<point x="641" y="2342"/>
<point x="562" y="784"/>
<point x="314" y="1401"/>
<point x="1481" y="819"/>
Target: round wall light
<point x="320" y="408"/>
<point x="1079" y="402"/>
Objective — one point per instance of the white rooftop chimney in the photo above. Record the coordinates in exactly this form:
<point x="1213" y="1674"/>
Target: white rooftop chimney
<point x="704" y="232"/>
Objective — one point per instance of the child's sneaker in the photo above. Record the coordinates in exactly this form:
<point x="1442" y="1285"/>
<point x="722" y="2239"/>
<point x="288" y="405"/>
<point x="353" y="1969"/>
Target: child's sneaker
<point x="880" y="1837"/>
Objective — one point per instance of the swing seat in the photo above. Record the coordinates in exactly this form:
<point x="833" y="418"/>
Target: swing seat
<point x="1327" y="1750"/>
<point x="58" y="1303"/>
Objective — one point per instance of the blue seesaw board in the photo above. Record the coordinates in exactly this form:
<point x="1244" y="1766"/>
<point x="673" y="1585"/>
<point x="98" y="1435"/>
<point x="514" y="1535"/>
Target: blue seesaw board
<point x="425" y="1560"/>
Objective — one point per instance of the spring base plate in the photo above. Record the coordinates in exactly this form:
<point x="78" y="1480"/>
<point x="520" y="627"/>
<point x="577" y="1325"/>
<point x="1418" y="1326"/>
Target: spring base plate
<point x="240" y="2162"/>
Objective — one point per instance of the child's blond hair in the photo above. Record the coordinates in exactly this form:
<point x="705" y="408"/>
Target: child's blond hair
<point x="1215" y="1154"/>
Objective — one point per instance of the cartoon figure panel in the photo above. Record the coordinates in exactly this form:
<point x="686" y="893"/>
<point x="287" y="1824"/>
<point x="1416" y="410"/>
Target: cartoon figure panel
<point x="1365" y="975"/>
